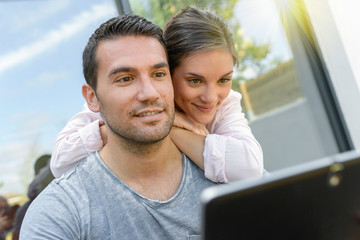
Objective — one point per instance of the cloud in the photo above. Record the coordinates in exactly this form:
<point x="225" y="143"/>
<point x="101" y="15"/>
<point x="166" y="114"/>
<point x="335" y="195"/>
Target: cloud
<point x="10" y="152"/>
<point x="13" y="158"/>
<point x="16" y="164"/>
<point x="43" y="11"/>
<point x="5" y="93"/>
<point x="46" y="79"/>
<point x="12" y="184"/>
<point x="28" y="135"/>
<point x="34" y="119"/>
<point x="52" y="38"/>
<point x="26" y="126"/>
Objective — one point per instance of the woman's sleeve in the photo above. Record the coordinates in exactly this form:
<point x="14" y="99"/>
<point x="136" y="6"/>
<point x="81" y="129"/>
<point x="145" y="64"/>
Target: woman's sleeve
<point x="79" y="138"/>
<point x="231" y="151"/>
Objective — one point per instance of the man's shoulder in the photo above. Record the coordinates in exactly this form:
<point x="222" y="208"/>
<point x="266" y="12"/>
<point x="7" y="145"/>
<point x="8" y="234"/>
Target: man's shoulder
<point x="70" y="189"/>
<point x="197" y="174"/>
<point x="83" y="166"/>
<point x="75" y="180"/>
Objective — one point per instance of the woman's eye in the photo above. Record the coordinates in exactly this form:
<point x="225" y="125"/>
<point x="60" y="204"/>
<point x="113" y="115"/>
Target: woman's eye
<point x="194" y="81"/>
<point x="224" y="80"/>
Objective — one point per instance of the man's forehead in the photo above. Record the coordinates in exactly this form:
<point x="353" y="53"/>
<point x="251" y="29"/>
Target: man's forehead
<point x="127" y="42"/>
<point x="131" y="51"/>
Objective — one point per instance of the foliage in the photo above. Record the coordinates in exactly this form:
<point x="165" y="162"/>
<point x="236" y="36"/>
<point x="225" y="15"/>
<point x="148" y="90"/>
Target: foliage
<point x="251" y="55"/>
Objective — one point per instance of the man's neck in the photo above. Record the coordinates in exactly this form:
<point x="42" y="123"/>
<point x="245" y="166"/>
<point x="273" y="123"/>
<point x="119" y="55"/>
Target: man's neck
<point x="153" y="171"/>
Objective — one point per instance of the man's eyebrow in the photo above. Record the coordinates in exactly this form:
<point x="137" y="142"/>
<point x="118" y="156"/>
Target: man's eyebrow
<point x="131" y="69"/>
<point x="120" y="69"/>
<point x="160" y="65"/>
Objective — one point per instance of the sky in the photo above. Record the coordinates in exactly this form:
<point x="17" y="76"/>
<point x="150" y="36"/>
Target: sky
<point x="40" y="77"/>
<point x="41" y="73"/>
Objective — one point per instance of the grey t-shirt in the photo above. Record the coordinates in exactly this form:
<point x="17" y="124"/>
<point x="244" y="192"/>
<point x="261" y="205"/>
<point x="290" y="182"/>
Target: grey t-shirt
<point x="90" y="202"/>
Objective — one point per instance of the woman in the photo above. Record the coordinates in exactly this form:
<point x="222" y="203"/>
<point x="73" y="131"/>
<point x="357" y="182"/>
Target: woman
<point x="209" y="126"/>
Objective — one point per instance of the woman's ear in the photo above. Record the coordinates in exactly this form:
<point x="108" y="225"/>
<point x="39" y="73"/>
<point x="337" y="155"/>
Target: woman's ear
<point x="90" y="97"/>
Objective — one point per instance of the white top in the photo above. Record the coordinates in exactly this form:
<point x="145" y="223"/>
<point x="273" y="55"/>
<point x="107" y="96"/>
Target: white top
<point x="231" y="152"/>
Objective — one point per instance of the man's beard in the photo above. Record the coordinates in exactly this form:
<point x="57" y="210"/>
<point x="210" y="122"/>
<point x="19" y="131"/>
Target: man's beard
<point x="135" y="138"/>
<point x="141" y="136"/>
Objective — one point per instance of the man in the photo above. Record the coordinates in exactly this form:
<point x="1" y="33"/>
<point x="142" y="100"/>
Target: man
<point x="139" y="186"/>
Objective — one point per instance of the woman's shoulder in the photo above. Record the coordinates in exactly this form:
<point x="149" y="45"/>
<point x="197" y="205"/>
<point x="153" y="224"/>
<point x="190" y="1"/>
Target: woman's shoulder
<point x="229" y="108"/>
<point x="234" y="94"/>
<point x="234" y="97"/>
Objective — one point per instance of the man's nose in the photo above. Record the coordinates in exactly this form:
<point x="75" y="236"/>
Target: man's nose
<point x="147" y="89"/>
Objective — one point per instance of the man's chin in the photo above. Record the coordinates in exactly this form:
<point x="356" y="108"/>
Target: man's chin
<point x="153" y="137"/>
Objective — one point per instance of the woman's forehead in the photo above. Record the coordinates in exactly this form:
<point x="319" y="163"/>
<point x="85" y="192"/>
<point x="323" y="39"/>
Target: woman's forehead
<point x="206" y="59"/>
<point x="205" y="53"/>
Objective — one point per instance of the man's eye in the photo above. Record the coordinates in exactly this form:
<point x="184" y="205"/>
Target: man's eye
<point x="159" y="74"/>
<point x="124" y="79"/>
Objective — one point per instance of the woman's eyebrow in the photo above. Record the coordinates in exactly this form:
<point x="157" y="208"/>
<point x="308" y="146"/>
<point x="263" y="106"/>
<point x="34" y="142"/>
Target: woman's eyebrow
<point x="200" y="76"/>
<point x="227" y="74"/>
<point x="195" y="74"/>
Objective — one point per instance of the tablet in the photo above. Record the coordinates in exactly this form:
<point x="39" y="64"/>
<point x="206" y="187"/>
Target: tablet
<point x="316" y="200"/>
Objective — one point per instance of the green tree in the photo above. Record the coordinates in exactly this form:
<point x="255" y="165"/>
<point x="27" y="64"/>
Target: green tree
<point x="251" y="55"/>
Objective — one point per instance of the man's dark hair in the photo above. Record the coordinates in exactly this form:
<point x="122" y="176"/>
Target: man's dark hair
<point x="121" y="26"/>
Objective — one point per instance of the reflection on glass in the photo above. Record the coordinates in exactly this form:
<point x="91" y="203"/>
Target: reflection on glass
<point x="265" y="75"/>
<point x="280" y="98"/>
<point x="268" y="81"/>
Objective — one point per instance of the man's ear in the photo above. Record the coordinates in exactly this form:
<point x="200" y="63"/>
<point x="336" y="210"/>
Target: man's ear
<point x="90" y="97"/>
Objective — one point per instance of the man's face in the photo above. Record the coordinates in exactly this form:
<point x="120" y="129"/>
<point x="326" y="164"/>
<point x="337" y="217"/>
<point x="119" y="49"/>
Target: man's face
<point x="134" y="88"/>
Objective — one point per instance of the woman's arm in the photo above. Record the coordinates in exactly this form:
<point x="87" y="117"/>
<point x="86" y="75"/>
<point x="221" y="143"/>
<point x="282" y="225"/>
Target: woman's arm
<point x="227" y="159"/>
<point x="80" y="137"/>
<point x="190" y="143"/>
<point x="230" y="152"/>
<point x="189" y="136"/>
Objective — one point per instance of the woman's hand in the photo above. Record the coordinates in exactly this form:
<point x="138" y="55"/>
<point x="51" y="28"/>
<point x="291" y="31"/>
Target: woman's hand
<point x="185" y="122"/>
<point x="103" y="134"/>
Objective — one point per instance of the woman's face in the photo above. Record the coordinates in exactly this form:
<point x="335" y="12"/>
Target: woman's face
<point x="201" y="82"/>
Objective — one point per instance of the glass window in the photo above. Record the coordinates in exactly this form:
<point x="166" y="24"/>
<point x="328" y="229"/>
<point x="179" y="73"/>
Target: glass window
<point x="41" y="74"/>
<point x="275" y="77"/>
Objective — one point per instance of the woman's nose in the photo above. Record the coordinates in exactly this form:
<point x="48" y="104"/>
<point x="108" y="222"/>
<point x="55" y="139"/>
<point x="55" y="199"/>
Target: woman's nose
<point x="209" y="95"/>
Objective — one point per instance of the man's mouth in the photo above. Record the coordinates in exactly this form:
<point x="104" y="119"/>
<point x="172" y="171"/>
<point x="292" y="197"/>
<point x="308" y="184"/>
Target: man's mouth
<point x="148" y="113"/>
